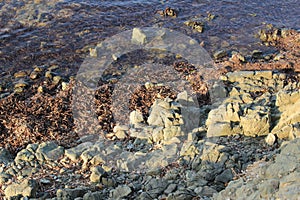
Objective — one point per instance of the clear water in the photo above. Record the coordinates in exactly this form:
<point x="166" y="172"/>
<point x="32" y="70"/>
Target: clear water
<point x="60" y="32"/>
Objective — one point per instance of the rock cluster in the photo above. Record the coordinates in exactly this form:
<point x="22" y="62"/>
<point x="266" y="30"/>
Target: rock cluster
<point x="168" y="156"/>
<point x="259" y="103"/>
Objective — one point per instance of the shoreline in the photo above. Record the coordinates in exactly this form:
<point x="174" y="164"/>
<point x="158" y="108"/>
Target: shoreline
<point x="265" y="94"/>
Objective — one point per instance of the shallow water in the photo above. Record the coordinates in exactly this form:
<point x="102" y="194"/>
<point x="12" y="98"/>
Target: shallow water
<point x="60" y="32"/>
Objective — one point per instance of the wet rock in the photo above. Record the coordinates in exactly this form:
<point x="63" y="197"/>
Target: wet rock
<point x="198" y="26"/>
<point x="49" y="151"/>
<point x="70" y="194"/>
<point x="138" y="36"/>
<point x="120" y="192"/>
<point x="220" y="54"/>
<point x="27" y="188"/>
<point x="20" y="74"/>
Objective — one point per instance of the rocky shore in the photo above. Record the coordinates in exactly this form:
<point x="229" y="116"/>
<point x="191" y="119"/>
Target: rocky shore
<point x="246" y="146"/>
<point x="241" y="144"/>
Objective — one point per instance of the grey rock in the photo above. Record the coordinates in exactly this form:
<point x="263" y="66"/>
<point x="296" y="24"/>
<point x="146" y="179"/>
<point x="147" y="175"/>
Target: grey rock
<point x="220" y="54"/>
<point x="182" y="194"/>
<point x="97" y="173"/>
<point x="70" y="194"/>
<point x="49" y="151"/>
<point x="75" y="152"/>
<point x="120" y="192"/>
<point x="225" y="176"/>
<point x="93" y="196"/>
<point x="5" y="156"/>
<point x="155" y="187"/>
<point x="27" y="188"/>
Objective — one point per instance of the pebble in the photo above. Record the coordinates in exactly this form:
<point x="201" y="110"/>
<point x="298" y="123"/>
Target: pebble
<point x="20" y="74"/>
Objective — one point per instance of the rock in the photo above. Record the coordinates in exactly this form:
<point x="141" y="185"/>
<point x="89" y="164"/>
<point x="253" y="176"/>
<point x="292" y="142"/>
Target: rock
<point x="219" y="129"/>
<point x="120" y="128"/>
<point x="136" y="117"/>
<point x="70" y="194"/>
<point x="278" y="179"/>
<point x="20" y="74"/>
<point x="75" y="152"/>
<point x="93" y="196"/>
<point x="218" y="92"/>
<point x="4" y="177"/>
<point x="138" y="36"/>
<point x="49" y="151"/>
<point x="97" y="173"/>
<point x="182" y="194"/>
<point x="220" y="54"/>
<point x="256" y="54"/>
<point x="155" y="187"/>
<point x="5" y="156"/>
<point x="239" y="76"/>
<point x="120" y="192"/>
<point x="27" y="188"/>
<point x="225" y="176"/>
<point x="56" y="80"/>
<point x="261" y="120"/>
<point x="172" y="187"/>
<point x="270" y="139"/>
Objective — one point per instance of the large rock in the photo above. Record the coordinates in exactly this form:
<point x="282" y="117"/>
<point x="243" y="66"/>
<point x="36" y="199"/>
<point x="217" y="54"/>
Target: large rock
<point x="49" y="151"/>
<point x="75" y="152"/>
<point x="255" y="122"/>
<point x="27" y="188"/>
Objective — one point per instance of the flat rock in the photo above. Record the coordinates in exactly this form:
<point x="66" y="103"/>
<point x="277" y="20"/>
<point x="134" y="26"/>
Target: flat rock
<point x="49" y="151"/>
<point x="75" y="152"/>
<point x="120" y="192"/>
<point x="27" y="188"/>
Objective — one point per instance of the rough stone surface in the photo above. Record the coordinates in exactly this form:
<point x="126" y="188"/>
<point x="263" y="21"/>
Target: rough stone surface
<point x="49" y="151"/>
<point x="120" y="192"/>
<point x="27" y="188"/>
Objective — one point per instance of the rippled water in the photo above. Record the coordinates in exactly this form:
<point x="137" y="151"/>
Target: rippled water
<point x="38" y="32"/>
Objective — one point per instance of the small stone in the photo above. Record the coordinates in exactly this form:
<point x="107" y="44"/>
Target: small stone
<point x="120" y="192"/>
<point x="136" y="117"/>
<point x="69" y="194"/>
<point x="20" y="74"/>
<point x="256" y="54"/>
<point x="220" y="54"/>
<point x="40" y="89"/>
<point x="97" y="173"/>
<point x="48" y="74"/>
<point x="270" y="139"/>
<point x="34" y="75"/>
<point x="64" y="86"/>
<point x="278" y="57"/>
<point x="121" y="135"/>
<point x="56" y="80"/>
<point x="93" y="196"/>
